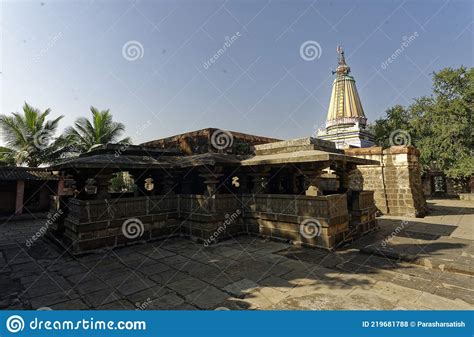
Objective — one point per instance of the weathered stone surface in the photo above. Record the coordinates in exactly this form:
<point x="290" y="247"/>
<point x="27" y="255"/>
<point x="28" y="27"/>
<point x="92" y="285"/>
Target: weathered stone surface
<point x="76" y="304"/>
<point x="207" y="298"/>
<point x="102" y="297"/>
<point x="396" y="181"/>
<point x="277" y="216"/>
<point x="166" y="302"/>
<point x="187" y="285"/>
<point x="250" y="273"/>
<point x="134" y="284"/>
<point x="241" y="288"/>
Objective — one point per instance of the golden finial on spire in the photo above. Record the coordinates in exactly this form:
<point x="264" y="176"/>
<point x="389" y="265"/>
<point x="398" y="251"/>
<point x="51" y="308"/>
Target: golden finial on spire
<point x="342" y="67"/>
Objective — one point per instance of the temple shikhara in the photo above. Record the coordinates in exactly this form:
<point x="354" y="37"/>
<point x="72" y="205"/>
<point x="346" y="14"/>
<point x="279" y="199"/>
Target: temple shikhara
<point x="346" y="122"/>
<point x="211" y="184"/>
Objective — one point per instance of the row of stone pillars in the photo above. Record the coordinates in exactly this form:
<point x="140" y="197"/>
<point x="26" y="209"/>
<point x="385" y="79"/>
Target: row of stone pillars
<point x="260" y="181"/>
<point x="212" y="177"/>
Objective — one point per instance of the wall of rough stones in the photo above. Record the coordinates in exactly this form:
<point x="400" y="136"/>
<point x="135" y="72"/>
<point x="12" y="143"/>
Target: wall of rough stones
<point x="396" y="181"/>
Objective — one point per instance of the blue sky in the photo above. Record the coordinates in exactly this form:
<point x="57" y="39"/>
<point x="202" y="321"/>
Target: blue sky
<point x="68" y="55"/>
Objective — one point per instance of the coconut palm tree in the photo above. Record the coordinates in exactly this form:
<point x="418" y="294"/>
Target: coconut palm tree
<point x="29" y="138"/>
<point x="85" y="133"/>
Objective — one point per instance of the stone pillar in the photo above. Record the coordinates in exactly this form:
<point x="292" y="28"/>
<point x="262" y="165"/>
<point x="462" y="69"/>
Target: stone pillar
<point x="20" y="192"/>
<point x="61" y="187"/>
<point x="66" y="185"/>
<point x="311" y="179"/>
<point x="211" y="176"/>
<point x="102" y="181"/>
<point x="344" y="173"/>
<point x="211" y="180"/>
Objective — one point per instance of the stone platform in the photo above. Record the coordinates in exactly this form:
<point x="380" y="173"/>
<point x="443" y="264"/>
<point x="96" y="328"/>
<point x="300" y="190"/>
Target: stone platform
<point x="245" y="272"/>
<point x="97" y="224"/>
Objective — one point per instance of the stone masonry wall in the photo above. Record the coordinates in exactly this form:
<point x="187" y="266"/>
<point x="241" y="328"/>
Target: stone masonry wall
<point x="396" y="181"/>
<point x="280" y="217"/>
<point x="97" y="224"/>
<point x="370" y="177"/>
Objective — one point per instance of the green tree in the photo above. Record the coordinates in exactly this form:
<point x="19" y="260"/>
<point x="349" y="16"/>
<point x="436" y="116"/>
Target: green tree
<point x="440" y="126"/>
<point x="101" y="129"/>
<point x="29" y="138"/>
<point x="397" y="118"/>
<point x="122" y="182"/>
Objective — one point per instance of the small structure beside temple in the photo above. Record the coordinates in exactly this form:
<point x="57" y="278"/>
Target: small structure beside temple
<point x="207" y="192"/>
<point x="346" y="124"/>
<point x="25" y="191"/>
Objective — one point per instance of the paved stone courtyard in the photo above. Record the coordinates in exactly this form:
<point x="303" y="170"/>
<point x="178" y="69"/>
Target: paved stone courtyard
<point x="419" y="264"/>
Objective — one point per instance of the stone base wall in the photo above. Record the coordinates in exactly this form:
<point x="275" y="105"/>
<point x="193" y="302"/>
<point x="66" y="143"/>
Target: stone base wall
<point x="210" y="219"/>
<point x="280" y="217"/>
<point x="362" y="210"/>
<point x="91" y="225"/>
<point x="96" y="224"/>
<point x="396" y="181"/>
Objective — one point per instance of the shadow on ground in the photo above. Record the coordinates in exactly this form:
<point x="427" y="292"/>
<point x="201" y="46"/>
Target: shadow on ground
<point x="380" y="271"/>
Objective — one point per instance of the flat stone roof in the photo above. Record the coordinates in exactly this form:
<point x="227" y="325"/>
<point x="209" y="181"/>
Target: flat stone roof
<point x="304" y="157"/>
<point x="112" y="160"/>
<point x="313" y="143"/>
<point x="152" y="156"/>
<point x="26" y="173"/>
<point x="301" y="150"/>
<point x="201" y="141"/>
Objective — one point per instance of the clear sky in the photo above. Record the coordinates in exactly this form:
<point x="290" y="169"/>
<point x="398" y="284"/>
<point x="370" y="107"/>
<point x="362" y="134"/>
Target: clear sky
<point x="68" y="55"/>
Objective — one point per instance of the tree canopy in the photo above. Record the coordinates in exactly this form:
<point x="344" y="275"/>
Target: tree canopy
<point x="440" y="125"/>
<point x="29" y="137"/>
<point x="101" y="129"/>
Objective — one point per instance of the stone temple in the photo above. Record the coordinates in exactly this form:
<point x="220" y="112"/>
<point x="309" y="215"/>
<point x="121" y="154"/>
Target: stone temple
<point x="211" y="184"/>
